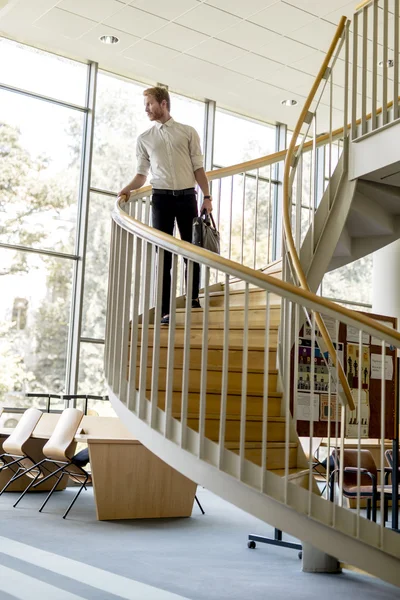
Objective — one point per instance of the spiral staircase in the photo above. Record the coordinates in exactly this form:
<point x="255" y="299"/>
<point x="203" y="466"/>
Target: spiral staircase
<point x="211" y="394"/>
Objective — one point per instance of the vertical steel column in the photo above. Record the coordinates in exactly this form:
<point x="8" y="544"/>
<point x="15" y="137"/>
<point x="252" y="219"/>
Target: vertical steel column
<point x="374" y="64"/>
<point x="156" y="338"/>
<point x="364" y="73"/>
<point x="209" y="133"/>
<point x="396" y="34"/>
<point x="385" y="62"/>
<point x="73" y="350"/>
<point x="354" y="79"/>
<point x="204" y="362"/>
<point x="280" y="144"/>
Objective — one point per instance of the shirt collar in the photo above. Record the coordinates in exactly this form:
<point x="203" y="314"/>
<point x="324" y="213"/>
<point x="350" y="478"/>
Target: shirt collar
<point x="167" y="124"/>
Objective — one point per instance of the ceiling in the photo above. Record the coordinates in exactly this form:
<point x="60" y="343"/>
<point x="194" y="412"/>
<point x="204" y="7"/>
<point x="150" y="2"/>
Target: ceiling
<point x="248" y="55"/>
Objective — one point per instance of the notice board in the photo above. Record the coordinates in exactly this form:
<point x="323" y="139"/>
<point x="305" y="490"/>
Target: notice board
<point x="364" y="365"/>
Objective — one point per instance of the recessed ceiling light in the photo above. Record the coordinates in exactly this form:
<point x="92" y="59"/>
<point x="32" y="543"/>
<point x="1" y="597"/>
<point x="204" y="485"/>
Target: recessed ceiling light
<point x="109" y="39"/>
<point x="390" y="63"/>
<point x="289" y="102"/>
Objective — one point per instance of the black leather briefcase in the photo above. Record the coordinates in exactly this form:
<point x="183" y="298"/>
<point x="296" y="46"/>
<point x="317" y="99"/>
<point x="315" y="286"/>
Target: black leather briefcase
<point x="205" y="234"/>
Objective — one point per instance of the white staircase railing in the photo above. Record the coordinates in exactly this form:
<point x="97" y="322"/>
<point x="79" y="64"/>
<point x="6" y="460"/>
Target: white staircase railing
<point x="162" y="416"/>
<point x="375" y="77"/>
<point x="162" y="382"/>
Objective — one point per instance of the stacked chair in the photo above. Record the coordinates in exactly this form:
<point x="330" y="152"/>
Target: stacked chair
<point x="58" y="452"/>
<point x="14" y="456"/>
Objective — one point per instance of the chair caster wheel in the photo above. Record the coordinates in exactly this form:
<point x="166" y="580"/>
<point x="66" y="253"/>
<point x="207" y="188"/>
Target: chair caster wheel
<point x="300" y="555"/>
<point x="251" y="544"/>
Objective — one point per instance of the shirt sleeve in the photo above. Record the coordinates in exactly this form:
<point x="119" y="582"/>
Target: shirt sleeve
<point x="142" y="158"/>
<point x="196" y="155"/>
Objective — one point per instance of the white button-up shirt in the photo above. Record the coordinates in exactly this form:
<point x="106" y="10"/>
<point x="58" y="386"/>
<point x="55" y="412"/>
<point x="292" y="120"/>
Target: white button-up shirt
<point x="172" y="152"/>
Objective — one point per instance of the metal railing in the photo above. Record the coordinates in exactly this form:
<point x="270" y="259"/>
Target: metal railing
<point x="375" y="77"/>
<point x="66" y="399"/>
<point x="293" y="269"/>
<point x="163" y="382"/>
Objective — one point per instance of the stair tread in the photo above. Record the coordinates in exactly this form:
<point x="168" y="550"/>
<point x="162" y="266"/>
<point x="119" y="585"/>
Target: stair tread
<point x="216" y="326"/>
<point x="293" y="472"/>
<point x="231" y="308"/>
<point x="258" y="445"/>
<point x="232" y="417"/>
<point x="219" y="369"/>
<point x="230" y="395"/>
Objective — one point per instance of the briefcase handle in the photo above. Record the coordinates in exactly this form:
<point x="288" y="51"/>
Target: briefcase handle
<point x="207" y="215"/>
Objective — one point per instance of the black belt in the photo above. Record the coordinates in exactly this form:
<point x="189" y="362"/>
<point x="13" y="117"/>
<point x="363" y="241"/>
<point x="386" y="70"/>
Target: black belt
<point x="186" y="192"/>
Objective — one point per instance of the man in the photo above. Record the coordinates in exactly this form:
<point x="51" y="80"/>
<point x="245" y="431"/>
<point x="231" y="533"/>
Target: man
<point x="172" y="152"/>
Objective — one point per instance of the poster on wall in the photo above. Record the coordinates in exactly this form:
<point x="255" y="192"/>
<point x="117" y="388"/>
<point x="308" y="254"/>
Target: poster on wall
<point x="328" y="405"/>
<point x="305" y="410"/>
<point x="358" y="367"/>
<point x="376" y="367"/>
<point x="353" y="335"/>
<point x="354" y="416"/>
<point x="321" y="371"/>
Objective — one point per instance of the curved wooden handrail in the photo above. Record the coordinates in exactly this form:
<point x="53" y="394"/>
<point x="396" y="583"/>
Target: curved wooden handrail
<point x="269" y="159"/>
<point x="290" y="244"/>
<point x="198" y="254"/>
<point x="363" y="5"/>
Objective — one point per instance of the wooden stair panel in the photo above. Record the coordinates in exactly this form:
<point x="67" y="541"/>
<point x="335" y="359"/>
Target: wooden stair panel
<point x="254" y="404"/>
<point x="255" y="358"/>
<point x="275" y="454"/>
<point x="276" y="450"/>
<point x="256" y="316"/>
<point x="275" y="428"/>
<point x="215" y="337"/>
<point x="257" y="297"/>
<point x="255" y="381"/>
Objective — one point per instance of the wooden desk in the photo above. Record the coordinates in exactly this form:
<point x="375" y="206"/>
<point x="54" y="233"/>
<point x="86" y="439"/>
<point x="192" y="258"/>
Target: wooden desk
<point x="129" y="481"/>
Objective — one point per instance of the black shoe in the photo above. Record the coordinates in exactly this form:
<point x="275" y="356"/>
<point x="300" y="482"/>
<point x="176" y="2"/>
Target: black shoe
<point x="165" y="320"/>
<point x="196" y="303"/>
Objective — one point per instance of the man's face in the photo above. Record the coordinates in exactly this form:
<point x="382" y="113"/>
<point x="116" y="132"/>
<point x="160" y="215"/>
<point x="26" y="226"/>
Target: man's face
<point x="154" y="110"/>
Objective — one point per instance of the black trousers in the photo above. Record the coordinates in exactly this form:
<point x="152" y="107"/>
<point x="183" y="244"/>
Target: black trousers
<point x="165" y="209"/>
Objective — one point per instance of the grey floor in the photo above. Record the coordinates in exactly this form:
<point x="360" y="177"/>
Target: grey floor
<point x="201" y="558"/>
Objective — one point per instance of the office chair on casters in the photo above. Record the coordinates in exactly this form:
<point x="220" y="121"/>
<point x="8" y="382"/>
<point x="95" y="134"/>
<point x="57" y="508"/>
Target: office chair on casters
<point x="56" y="452"/>
<point x="14" y="456"/>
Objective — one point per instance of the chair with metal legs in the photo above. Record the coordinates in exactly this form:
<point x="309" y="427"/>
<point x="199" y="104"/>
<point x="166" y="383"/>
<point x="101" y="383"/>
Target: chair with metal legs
<point x="57" y="452"/>
<point x="369" y="487"/>
<point x="14" y="456"/>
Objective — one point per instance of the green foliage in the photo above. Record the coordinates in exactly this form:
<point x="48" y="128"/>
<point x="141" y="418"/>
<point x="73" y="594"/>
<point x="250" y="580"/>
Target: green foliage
<point x="32" y="356"/>
<point x="23" y="193"/>
<point x="351" y="282"/>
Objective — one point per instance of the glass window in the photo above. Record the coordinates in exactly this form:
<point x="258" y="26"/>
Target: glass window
<point x="120" y="118"/>
<point x="352" y="282"/>
<point x="188" y="111"/>
<point x="40" y="149"/>
<point x="96" y="271"/>
<point x="34" y="322"/>
<point x="43" y="73"/>
<point x="91" y="379"/>
<point x="238" y="139"/>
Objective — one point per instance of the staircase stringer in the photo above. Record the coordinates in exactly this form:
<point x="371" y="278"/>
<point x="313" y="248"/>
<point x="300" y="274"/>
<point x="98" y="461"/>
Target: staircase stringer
<point x="364" y="246"/>
<point x="317" y="265"/>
